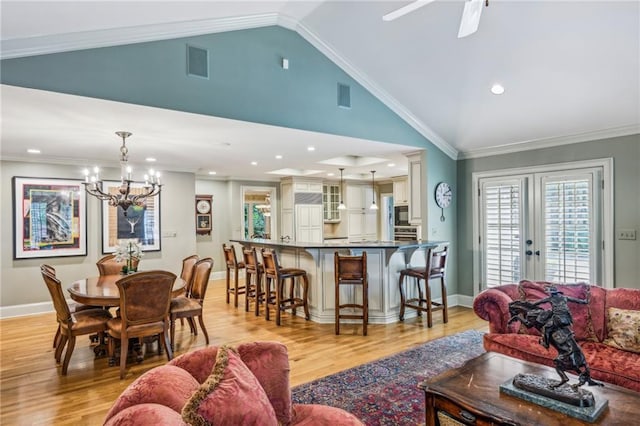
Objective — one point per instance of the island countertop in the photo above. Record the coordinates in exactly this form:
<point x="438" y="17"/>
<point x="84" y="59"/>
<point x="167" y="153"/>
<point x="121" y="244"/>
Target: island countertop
<point x="342" y="243"/>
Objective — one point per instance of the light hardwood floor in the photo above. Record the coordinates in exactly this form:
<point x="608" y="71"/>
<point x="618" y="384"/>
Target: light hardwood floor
<point x="33" y="392"/>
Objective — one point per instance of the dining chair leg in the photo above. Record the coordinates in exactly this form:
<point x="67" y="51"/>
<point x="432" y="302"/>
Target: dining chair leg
<point x="60" y="348"/>
<point x="124" y="350"/>
<point x="172" y="326"/>
<point x="228" y="283"/>
<point x="204" y="329"/>
<point x="67" y="356"/>
<point x="166" y="344"/>
<point x="194" y="329"/>
<point x="445" y="317"/>
<point x="56" y="338"/>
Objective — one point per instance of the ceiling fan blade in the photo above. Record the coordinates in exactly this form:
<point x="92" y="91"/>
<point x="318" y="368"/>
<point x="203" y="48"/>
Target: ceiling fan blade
<point x="470" y="17"/>
<point x="405" y="9"/>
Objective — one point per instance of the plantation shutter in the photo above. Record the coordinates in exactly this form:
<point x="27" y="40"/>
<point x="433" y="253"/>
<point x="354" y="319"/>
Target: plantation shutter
<point x="568" y="228"/>
<point x="502" y="217"/>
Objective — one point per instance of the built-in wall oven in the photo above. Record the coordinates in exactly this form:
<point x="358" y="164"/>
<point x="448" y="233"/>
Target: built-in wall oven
<point x="401" y="215"/>
<point x="406" y="233"/>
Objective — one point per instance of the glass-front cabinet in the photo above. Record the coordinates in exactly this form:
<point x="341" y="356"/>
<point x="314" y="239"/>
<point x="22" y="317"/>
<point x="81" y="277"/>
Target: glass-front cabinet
<point x="330" y="201"/>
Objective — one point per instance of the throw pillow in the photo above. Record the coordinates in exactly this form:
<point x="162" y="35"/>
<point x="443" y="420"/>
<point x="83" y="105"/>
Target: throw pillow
<point x="230" y="396"/>
<point x="623" y="329"/>
<point x="581" y="314"/>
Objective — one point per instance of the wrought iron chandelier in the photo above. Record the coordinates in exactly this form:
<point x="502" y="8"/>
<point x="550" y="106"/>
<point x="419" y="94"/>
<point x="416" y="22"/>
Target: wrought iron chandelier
<point x="123" y="197"/>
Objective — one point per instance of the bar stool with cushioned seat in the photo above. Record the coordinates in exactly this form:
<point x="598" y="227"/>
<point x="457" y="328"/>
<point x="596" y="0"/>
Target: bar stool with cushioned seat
<point x="351" y="270"/>
<point x="276" y="297"/>
<point x="253" y="281"/>
<point x="232" y="264"/>
<point x="435" y="268"/>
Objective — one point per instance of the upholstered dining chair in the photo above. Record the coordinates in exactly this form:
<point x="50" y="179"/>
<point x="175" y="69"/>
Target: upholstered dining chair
<point x="73" y="308"/>
<point x="190" y="307"/>
<point x="70" y="325"/>
<point x="109" y="266"/>
<point x="144" y="311"/>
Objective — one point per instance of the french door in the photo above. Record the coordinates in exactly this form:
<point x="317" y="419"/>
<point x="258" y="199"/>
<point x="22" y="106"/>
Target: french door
<point x="543" y="225"/>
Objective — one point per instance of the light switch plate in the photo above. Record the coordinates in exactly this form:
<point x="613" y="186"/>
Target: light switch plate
<point x="627" y="234"/>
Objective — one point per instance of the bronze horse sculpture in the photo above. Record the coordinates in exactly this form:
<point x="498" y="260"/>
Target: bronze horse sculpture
<point x="554" y="327"/>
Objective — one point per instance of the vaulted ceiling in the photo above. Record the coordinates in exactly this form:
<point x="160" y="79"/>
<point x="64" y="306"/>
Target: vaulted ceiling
<point x="570" y="70"/>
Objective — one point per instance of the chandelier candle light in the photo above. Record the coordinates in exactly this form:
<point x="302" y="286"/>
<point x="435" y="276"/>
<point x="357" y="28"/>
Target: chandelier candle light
<point x="123" y="197"/>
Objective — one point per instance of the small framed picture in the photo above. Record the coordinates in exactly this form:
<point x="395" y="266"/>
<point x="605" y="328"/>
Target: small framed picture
<point x="141" y="222"/>
<point x="50" y="218"/>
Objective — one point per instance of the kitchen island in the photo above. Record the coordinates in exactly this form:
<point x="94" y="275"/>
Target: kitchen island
<point x="385" y="260"/>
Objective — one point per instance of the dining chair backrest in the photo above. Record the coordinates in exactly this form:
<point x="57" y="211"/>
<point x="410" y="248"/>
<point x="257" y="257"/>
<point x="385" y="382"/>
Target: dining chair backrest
<point x="145" y="296"/>
<point x="187" y="270"/>
<point x="63" y="313"/>
<point x="48" y="268"/>
<point x="200" y="280"/>
<point x="108" y="265"/>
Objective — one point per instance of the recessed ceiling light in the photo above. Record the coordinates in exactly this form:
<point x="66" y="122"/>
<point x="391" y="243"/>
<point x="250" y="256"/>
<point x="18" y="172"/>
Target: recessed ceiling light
<point x="497" y="89"/>
<point x="391" y="165"/>
<point x="254" y="163"/>
<point x="212" y="172"/>
<point x="278" y="157"/>
<point x="150" y="159"/>
<point x="311" y="148"/>
<point x="33" y="151"/>
<point x="329" y="174"/>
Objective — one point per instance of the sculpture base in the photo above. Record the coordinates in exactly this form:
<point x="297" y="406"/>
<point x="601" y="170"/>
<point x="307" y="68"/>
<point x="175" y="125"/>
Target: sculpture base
<point x="578" y="403"/>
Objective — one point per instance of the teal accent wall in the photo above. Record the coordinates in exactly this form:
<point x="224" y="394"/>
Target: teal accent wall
<point x="246" y="82"/>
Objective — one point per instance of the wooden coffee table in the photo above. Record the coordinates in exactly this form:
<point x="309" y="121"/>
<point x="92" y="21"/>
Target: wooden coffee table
<point x="471" y="395"/>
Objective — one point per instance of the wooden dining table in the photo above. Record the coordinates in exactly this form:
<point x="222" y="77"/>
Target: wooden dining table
<point x="103" y="291"/>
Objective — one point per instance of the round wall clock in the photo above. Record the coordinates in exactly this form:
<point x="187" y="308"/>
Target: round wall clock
<point x="443" y="197"/>
<point x="203" y="206"/>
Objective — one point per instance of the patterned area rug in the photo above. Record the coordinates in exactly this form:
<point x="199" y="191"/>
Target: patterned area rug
<point x="385" y="392"/>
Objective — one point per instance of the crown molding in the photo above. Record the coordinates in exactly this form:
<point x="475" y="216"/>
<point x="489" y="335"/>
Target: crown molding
<point x="372" y="87"/>
<point x="551" y="142"/>
<point x="56" y="43"/>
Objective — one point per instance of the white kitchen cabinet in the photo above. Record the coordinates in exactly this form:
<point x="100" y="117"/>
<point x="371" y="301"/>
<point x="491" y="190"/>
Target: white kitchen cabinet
<point x="330" y="202"/>
<point x="362" y="222"/>
<point x="416" y="179"/>
<point x="301" y="213"/>
<point x="309" y="223"/>
<point x="400" y="191"/>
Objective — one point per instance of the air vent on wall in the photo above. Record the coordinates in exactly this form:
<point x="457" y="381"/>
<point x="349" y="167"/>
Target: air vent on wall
<point x="197" y="62"/>
<point x="308" y="198"/>
<point x="344" y="95"/>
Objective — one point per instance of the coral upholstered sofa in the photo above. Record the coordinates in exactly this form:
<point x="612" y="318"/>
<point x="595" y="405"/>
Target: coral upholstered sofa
<point x="247" y="385"/>
<point x="607" y="328"/>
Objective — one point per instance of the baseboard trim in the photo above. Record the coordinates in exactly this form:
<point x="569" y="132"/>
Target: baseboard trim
<point x="46" y="307"/>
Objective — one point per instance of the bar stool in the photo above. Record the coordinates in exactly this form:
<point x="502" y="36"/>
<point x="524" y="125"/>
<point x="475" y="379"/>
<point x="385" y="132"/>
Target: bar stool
<point x="351" y="270"/>
<point x="276" y="297"/>
<point x="435" y="268"/>
<point x="235" y="266"/>
<point x="254" y="272"/>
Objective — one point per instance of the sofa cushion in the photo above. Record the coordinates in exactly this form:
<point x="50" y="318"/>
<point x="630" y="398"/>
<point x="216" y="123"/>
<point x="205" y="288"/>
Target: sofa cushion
<point x="582" y="324"/>
<point x="165" y="385"/>
<point x="322" y="415"/>
<point x="146" y="415"/>
<point x="606" y="363"/>
<point x="230" y="396"/>
<point x="623" y="329"/>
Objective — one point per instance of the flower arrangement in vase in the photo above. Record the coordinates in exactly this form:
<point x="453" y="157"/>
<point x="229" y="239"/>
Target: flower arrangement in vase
<point x="129" y="251"/>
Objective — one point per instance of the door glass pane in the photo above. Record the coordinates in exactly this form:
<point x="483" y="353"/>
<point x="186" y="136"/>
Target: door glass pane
<point x="502" y="233"/>
<point x="567" y="230"/>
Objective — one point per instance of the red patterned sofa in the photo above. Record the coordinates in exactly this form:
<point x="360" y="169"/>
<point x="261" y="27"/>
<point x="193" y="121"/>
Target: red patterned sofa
<point x="221" y="386"/>
<point x="612" y="350"/>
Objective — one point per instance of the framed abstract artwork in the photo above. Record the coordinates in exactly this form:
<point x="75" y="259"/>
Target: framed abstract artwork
<point x="50" y="218"/>
<point x="141" y="223"/>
